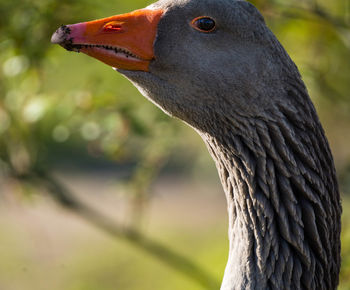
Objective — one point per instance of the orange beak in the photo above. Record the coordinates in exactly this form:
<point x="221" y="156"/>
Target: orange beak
<point x="121" y="41"/>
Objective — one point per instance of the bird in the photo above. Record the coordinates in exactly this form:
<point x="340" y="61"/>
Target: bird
<point x="216" y="65"/>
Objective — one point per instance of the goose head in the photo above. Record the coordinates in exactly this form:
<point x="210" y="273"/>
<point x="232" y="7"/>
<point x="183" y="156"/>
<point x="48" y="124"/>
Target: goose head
<point x="196" y="60"/>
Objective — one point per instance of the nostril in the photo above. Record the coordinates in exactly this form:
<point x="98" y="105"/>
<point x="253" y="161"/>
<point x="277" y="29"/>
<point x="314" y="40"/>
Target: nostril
<point x="113" y="26"/>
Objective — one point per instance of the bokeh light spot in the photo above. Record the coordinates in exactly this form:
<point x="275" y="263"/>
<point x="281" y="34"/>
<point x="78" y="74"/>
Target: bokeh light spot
<point x="15" y="65"/>
<point x="60" y="133"/>
<point x="90" y="131"/>
<point x="34" y="110"/>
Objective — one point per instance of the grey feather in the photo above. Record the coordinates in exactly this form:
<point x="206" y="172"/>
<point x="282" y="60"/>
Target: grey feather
<point x="243" y="94"/>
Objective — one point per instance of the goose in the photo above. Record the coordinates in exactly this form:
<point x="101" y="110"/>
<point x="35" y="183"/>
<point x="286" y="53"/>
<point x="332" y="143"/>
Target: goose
<point x="217" y="66"/>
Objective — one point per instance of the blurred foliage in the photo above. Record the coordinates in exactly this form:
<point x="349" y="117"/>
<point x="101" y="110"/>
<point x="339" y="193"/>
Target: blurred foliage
<point x="63" y="110"/>
<point x="53" y="114"/>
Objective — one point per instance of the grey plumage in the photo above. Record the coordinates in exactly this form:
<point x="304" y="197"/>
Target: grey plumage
<point x="246" y="99"/>
<point x="238" y="88"/>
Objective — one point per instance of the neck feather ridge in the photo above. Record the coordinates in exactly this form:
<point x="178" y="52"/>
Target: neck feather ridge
<point x="283" y="200"/>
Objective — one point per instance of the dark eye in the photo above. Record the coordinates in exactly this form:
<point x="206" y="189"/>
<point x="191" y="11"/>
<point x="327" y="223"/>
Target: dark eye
<point x="203" y="24"/>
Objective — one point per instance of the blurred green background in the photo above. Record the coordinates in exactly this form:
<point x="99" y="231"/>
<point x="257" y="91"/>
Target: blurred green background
<point x="77" y="140"/>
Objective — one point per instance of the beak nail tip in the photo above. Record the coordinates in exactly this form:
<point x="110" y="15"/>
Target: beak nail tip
<point x="56" y="39"/>
<point x="60" y="35"/>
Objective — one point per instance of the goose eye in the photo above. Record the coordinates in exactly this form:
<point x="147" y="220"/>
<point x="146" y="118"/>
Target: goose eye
<point x="203" y="24"/>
